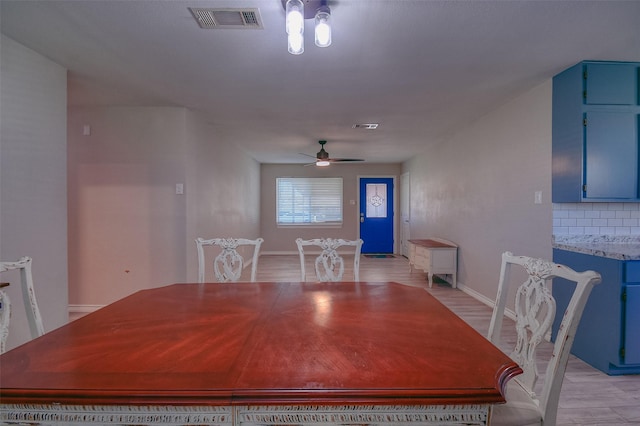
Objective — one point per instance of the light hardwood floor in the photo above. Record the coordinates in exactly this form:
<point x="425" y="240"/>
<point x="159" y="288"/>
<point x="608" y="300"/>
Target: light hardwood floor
<point x="588" y="397"/>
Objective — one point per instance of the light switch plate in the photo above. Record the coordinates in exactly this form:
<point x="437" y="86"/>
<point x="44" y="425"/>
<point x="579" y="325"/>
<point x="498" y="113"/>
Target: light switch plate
<point x="537" y="197"/>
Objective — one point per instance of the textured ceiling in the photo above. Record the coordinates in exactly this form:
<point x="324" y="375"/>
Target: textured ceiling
<point x="421" y="69"/>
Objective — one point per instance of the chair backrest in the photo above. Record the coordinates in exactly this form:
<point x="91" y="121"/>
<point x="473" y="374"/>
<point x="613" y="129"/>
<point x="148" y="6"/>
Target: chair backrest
<point x="5" y="317"/>
<point x="535" y="309"/>
<point x="30" y="302"/>
<point x="228" y="264"/>
<point x="329" y="264"/>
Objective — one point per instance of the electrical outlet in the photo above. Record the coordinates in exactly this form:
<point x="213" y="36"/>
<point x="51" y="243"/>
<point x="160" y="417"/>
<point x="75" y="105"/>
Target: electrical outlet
<point x="179" y="188"/>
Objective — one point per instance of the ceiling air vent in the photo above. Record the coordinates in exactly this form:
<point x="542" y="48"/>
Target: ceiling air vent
<point x="227" y="18"/>
<point x="366" y="126"/>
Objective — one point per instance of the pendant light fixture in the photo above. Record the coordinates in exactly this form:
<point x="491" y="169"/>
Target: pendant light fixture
<point x="295" y="26"/>
<point x="296" y="12"/>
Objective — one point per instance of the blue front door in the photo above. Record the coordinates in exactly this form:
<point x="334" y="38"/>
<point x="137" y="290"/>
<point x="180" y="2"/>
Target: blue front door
<point x="376" y="215"/>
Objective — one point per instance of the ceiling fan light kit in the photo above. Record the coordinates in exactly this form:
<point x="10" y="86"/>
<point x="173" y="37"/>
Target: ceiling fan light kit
<point x="295" y="14"/>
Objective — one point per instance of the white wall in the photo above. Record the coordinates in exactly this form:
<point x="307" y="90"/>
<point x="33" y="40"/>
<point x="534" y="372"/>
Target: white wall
<point x="223" y="197"/>
<point x="283" y="239"/>
<point x="126" y="223"/>
<point x="477" y="188"/>
<point x="128" y="229"/>
<point x="33" y="203"/>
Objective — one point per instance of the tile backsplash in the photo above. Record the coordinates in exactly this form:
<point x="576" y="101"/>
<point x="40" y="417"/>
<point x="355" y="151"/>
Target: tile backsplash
<point x="596" y="219"/>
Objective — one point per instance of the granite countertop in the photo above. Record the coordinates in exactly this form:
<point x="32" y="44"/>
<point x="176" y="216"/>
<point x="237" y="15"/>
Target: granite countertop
<point x="613" y="247"/>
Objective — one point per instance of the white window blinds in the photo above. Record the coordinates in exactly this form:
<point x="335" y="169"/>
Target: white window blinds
<point x="309" y="201"/>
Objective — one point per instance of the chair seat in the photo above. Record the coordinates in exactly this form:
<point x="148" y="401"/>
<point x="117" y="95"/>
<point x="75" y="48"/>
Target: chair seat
<point x="519" y="409"/>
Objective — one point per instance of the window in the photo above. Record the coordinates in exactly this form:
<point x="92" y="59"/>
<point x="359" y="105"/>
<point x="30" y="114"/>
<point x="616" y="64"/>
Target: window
<point x="309" y="201"/>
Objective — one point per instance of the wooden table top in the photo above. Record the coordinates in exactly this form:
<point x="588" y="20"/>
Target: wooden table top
<point x="261" y="343"/>
<point x="431" y="243"/>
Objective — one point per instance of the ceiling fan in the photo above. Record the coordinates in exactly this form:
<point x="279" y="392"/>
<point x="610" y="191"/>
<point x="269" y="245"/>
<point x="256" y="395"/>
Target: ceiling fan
<point x="323" y="159"/>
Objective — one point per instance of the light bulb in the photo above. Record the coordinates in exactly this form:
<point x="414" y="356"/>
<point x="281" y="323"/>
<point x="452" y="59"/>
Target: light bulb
<point x="322" y="163"/>
<point x="294" y="17"/>
<point x="295" y="43"/>
<point x="323" y="27"/>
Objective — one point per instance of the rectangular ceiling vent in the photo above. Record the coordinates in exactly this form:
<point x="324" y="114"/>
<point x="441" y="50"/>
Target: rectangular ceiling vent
<point x="366" y="126"/>
<point x="227" y="18"/>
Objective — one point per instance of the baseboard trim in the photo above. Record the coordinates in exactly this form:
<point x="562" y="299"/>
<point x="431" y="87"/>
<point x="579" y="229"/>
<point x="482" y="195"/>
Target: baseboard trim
<point x="485" y="300"/>
<point x="77" y="311"/>
<point x="84" y="309"/>
<point x="278" y="253"/>
<point x="307" y="251"/>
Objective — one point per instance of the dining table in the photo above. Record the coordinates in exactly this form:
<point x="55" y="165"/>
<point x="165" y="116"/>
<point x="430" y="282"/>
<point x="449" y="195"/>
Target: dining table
<point x="259" y="353"/>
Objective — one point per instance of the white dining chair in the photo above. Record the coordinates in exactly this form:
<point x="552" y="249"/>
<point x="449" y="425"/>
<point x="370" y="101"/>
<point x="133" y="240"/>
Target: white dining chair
<point x="535" y="309"/>
<point x="329" y="265"/>
<point x="30" y="303"/>
<point x="229" y="263"/>
<point x="5" y="316"/>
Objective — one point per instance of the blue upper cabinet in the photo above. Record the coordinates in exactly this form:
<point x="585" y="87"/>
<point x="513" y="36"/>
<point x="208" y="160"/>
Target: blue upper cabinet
<point x="611" y="155"/>
<point x="611" y="84"/>
<point x="595" y="121"/>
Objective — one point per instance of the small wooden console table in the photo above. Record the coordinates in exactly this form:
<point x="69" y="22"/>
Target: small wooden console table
<point x="434" y="256"/>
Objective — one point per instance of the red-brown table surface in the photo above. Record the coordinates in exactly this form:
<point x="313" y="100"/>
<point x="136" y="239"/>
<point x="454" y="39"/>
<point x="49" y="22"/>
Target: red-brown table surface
<point x="261" y="343"/>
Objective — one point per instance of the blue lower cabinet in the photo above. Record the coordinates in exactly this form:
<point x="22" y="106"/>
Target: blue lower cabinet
<point x="608" y="337"/>
<point x="632" y="324"/>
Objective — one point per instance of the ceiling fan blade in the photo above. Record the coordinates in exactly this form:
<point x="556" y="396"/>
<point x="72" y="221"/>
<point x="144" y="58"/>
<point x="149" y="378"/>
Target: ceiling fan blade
<point x="342" y="160"/>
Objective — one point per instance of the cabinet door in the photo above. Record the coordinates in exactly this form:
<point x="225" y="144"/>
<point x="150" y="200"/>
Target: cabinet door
<point x="611" y="155"/>
<point x="599" y="336"/>
<point x="611" y="84"/>
<point x="632" y="325"/>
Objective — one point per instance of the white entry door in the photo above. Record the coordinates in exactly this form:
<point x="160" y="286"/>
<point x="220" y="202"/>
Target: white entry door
<point x="405" y="208"/>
